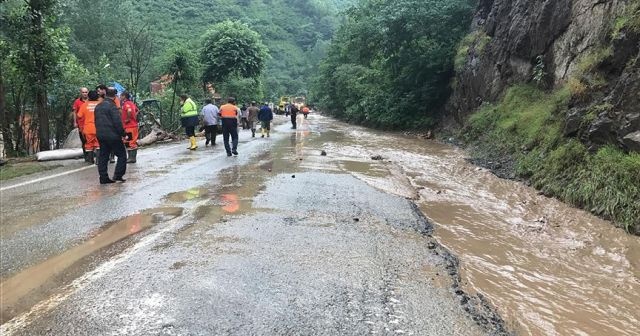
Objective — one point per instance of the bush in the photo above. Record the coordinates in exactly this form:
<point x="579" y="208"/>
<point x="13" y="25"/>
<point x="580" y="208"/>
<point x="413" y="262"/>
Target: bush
<point x="475" y="41"/>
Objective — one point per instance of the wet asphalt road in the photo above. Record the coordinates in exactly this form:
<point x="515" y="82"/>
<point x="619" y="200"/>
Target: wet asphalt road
<point x="278" y="241"/>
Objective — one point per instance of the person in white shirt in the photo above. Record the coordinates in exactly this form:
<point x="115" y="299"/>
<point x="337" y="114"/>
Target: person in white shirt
<point x="209" y="115"/>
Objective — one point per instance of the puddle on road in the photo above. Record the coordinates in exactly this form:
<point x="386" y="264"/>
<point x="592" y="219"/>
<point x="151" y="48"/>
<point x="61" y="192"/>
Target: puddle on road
<point x="187" y="195"/>
<point x="231" y="195"/>
<point x="548" y="268"/>
<point x="31" y="209"/>
<point x="367" y="168"/>
<point x="158" y="172"/>
<point x="21" y="291"/>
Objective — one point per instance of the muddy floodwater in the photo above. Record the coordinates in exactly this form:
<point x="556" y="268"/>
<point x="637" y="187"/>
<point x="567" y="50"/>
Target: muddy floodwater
<point x="548" y="268"/>
<point x="291" y="236"/>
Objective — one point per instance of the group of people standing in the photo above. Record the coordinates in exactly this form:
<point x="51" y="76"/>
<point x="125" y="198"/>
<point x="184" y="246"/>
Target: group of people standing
<point x="108" y="127"/>
<point x="227" y="118"/>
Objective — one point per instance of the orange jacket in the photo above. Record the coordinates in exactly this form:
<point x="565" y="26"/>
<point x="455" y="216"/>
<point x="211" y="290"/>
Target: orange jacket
<point x="116" y="100"/>
<point x="228" y="111"/>
<point x="87" y="112"/>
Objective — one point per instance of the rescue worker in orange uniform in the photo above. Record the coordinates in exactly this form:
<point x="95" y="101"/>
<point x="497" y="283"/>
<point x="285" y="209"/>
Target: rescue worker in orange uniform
<point x="79" y="122"/>
<point x="305" y="111"/>
<point x="130" y="122"/>
<point x="229" y="113"/>
<point x="87" y="113"/>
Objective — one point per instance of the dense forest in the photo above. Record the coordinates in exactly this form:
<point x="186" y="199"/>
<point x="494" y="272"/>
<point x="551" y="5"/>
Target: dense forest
<point x="55" y="47"/>
<point x="391" y="63"/>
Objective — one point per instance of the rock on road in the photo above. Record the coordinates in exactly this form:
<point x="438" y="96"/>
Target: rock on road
<point x="280" y="240"/>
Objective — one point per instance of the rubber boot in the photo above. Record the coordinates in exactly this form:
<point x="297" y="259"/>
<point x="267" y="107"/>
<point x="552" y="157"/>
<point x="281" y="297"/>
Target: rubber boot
<point x="90" y="157"/>
<point x="194" y="145"/>
<point x="132" y="155"/>
<point x="253" y="132"/>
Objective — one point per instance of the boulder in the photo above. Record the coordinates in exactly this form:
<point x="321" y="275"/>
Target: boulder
<point x="572" y="122"/>
<point x="601" y="131"/>
<point x="632" y="141"/>
<point x="631" y="124"/>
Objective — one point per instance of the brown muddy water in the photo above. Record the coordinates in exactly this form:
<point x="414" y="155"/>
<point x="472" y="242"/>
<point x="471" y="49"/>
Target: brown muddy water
<point x="548" y="268"/>
<point x="23" y="290"/>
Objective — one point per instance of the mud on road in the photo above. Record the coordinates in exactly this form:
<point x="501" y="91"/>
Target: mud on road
<point x="272" y="243"/>
<point x="305" y="233"/>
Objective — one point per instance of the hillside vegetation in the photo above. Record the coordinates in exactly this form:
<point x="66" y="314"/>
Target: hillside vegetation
<point x="56" y="46"/>
<point x="391" y="62"/>
<point x="543" y="92"/>
<point x="574" y="133"/>
<point x="296" y="32"/>
<point x="526" y="129"/>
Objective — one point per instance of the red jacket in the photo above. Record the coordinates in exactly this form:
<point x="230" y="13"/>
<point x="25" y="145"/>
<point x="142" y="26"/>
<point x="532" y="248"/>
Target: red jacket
<point x="129" y="114"/>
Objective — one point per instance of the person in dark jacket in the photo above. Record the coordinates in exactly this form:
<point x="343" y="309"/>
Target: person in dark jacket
<point x="110" y="133"/>
<point x="294" y="116"/>
<point x="229" y="114"/>
<point x="265" y="116"/>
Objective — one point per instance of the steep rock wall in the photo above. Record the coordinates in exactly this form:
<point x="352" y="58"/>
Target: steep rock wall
<point x="512" y="41"/>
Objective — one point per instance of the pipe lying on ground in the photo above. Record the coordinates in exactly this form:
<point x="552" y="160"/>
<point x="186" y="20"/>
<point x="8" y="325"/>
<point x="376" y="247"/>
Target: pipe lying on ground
<point x="59" y="154"/>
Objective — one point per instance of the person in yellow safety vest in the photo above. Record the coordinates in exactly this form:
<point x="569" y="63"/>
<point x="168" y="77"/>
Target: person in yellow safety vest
<point x="229" y="113"/>
<point x="189" y="119"/>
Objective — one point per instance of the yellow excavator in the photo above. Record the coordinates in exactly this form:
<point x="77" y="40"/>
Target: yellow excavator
<point x="284" y="100"/>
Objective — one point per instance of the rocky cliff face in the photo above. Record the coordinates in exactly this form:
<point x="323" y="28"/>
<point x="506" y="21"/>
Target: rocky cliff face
<point x="580" y="43"/>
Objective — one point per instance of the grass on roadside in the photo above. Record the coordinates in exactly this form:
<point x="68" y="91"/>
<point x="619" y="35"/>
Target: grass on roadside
<point x="527" y="125"/>
<point x="13" y="170"/>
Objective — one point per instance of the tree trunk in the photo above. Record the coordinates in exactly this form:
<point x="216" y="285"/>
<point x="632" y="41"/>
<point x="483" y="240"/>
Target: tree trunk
<point x="6" y="120"/>
<point x="60" y="129"/>
<point x="43" y="120"/>
<point x="40" y="68"/>
<point x="16" y="98"/>
<point x="173" y="102"/>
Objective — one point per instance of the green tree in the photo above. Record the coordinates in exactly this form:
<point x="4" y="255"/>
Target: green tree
<point x="243" y="89"/>
<point x="180" y="64"/>
<point x="36" y="43"/>
<point x="232" y="49"/>
<point x="39" y="60"/>
<point x="96" y="29"/>
<point x="391" y="62"/>
<point x="137" y="51"/>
